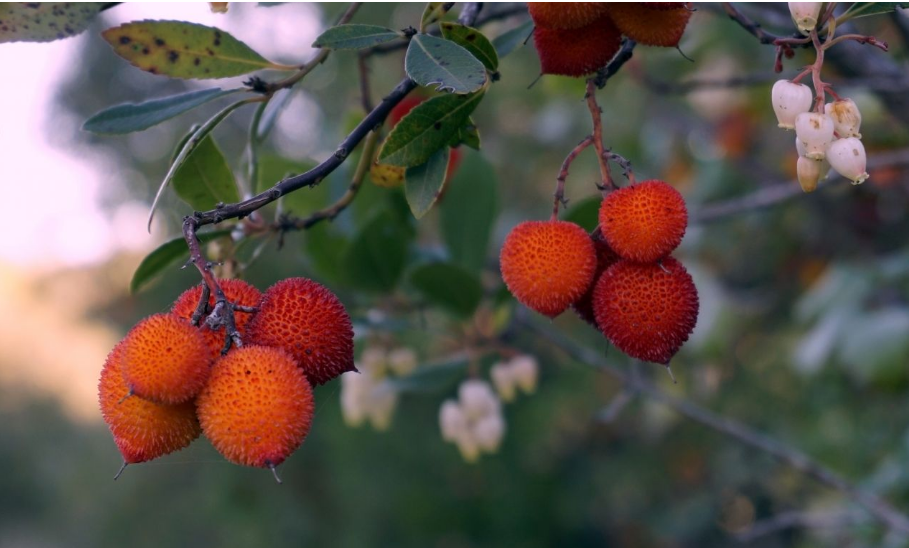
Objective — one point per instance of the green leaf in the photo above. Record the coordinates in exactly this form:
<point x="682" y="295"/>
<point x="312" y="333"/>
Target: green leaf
<point x="355" y="37"/>
<point x="323" y="244"/>
<point x="204" y="179"/>
<point x="165" y="256"/>
<point x="468" y="212"/>
<point x="432" y="13"/>
<point x="431" y="377"/>
<point x="45" y="21"/>
<point x="876" y="343"/>
<point x="865" y="9"/>
<point x="468" y="135"/>
<point x="131" y="117"/>
<point x="376" y="257"/>
<point x="448" y="286"/>
<point x="473" y="41"/>
<point x="435" y="61"/>
<point x="585" y="213"/>
<point x="509" y="41"/>
<point x="184" y="50"/>
<point x="423" y="184"/>
<point x="427" y="128"/>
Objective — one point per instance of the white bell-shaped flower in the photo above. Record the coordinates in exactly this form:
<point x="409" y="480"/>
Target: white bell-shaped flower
<point x="382" y="402"/>
<point x="477" y="399"/>
<point x="452" y="421"/>
<point x="402" y="361"/>
<point x="823" y="166"/>
<point x="789" y="100"/>
<point x="355" y="389"/>
<point x="847" y="120"/>
<point x="847" y="157"/>
<point x="525" y="371"/>
<point x="504" y="380"/>
<point x="815" y="131"/>
<point x="488" y="432"/>
<point x="809" y="172"/>
<point x="805" y="15"/>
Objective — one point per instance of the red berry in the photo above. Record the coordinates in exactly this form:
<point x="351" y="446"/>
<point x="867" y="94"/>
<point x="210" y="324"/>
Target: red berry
<point x="606" y="257"/>
<point x="565" y="15"/>
<point x="652" y="23"/>
<point x="644" y="222"/>
<point x="577" y="52"/>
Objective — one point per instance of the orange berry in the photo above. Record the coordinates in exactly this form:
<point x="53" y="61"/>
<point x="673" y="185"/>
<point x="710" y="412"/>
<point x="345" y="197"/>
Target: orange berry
<point x="644" y="222"/>
<point x="547" y="265"/>
<point x="142" y="430"/>
<point x="165" y="359"/>
<point x="237" y="292"/>
<point x="565" y="15"/>
<point x="257" y="406"/>
<point x="310" y="323"/>
<point x="652" y="23"/>
<point x="646" y="310"/>
<point x="577" y="52"/>
<point x="606" y="257"/>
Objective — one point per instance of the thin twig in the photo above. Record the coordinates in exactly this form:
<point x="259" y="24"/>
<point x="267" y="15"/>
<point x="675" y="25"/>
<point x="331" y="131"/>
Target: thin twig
<point x="801" y="520"/>
<point x="882" y="510"/>
<point x="596" y="114"/>
<point x="623" y="56"/>
<point x="365" y="95"/>
<point x="559" y="194"/>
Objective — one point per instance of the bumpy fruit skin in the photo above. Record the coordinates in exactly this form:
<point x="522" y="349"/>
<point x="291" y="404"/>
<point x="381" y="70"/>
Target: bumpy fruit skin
<point x="577" y="52"/>
<point x="647" y="312"/>
<point x="237" y="292"/>
<point x="606" y="257"/>
<point x="644" y="222"/>
<point x="257" y="407"/>
<point x="165" y="359"/>
<point x="547" y="265"/>
<point x="309" y="322"/>
<point x="652" y="24"/>
<point x="142" y="430"/>
<point x="565" y="15"/>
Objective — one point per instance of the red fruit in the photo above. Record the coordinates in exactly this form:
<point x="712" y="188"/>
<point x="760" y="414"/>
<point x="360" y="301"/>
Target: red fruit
<point x="165" y="359"/>
<point x="257" y="407"/>
<point x="142" y="430"/>
<point x="402" y="108"/>
<point x="652" y="24"/>
<point x="565" y="15"/>
<point x="644" y="222"/>
<point x="547" y="265"/>
<point x="577" y="52"/>
<point x="237" y="292"/>
<point x="308" y="321"/>
<point x="646" y="310"/>
<point x="606" y="257"/>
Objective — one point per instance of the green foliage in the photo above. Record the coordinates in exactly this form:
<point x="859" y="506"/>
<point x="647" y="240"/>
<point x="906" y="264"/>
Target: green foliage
<point x="468" y="135"/>
<point x="183" y="50"/>
<point x="166" y="256"/>
<point x="355" y="37"/>
<point x="130" y="117"/>
<point x="473" y="41"/>
<point x="423" y="183"/>
<point x="510" y="40"/>
<point x="377" y="255"/>
<point x="468" y="212"/>
<point x="45" y="21"/>
<point x="432" y="13"/>
<point x="432" y="61"/>
<point x="585" y="213"/>
<point x="866" y="9"/>
<point x="448" y="286"/>
<point x="204" y="179"/>
<point x="427" y="128"/>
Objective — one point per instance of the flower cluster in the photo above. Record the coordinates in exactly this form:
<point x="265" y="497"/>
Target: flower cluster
<point x="474" y="421"/>
<point x="368" y="395"/>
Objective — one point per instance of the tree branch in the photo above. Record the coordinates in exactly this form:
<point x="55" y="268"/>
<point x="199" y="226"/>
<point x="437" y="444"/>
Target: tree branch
<point x="882" y="510"/>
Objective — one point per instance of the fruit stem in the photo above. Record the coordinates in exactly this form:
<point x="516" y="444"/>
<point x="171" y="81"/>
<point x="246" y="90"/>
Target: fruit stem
<point x="120" y="471"/>
<point x="596" y="117"/>
<point x="819" y="87"/>
<point x="559" y="193"/>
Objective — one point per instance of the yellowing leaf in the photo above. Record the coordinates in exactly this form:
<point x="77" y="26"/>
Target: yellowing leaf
<point x="386" y="176"/>
<point x="44" y="21"/>
<point x="184" y="50"/>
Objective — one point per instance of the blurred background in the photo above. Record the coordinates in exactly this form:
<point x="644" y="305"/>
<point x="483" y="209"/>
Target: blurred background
<point x="803" y="331"/>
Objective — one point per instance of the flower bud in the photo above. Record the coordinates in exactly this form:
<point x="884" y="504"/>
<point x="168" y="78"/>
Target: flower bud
<point x="847" y="157"/>
<point x="790" y="100"/>
<point x="402" y="361"/>
<point x="477" y="399"/>
<point x="504" y="380"/>
<point x="354" y="394"/>
<point x="809" y="171"/>
<point x="805" y="15"/>
<point x="372" y="362"/>
<point x="468" y="446"/>
<point x="382" y="402"/>
<point x="525" y="370"/>
<point x="823" y="166"/>
<point x="815" y="131"/>
<point x="846" y="117"/>
<point x="488" y="432"/>
<point x="452" y="421"/>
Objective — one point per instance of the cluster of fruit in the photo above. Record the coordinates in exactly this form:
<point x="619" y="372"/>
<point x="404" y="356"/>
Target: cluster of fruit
<point x="828" y="136"/>
<point x="167" y="381"/>
<point x="621" y="278"/>
<point x="577" y="38"/>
